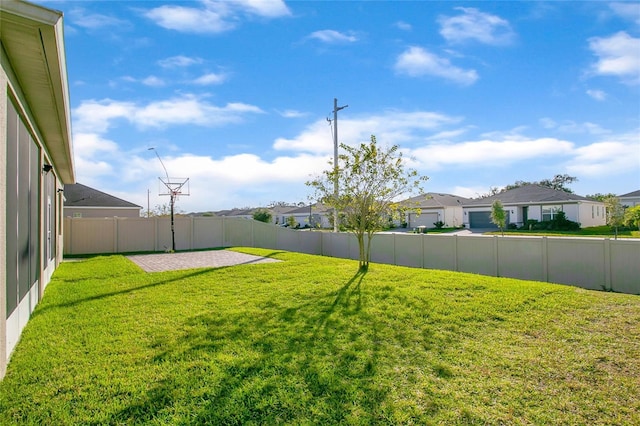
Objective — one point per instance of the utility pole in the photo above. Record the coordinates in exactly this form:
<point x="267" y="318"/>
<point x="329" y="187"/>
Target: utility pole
<point x="336" y="108"/>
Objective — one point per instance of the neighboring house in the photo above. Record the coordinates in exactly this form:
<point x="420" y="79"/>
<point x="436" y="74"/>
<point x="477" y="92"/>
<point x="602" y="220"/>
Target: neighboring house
<point x="435" y="207"/>
<point x="237" y="213"/>
<point x="535" y="202"/>
<point x="36" y="160"/>
<point x="313" y="215"/>
<point x="280" y="213"/>
<point x="83" y="201"/>
<point x="631" y="199"/>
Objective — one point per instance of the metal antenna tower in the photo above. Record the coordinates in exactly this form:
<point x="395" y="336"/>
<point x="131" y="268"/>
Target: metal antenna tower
<point x="173" y="188"/>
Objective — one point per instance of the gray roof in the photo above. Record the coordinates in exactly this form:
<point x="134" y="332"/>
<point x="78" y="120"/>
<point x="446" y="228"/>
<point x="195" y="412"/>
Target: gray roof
<point x="79" y="195"/>
<point x="529" y="194"/>
<point x="631" y="194"/>
<point x="436" y="199"/>
<point x="315" y="208"/>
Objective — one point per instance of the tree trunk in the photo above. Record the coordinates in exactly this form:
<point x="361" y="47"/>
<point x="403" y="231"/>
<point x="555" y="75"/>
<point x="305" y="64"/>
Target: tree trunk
<point x="362" y="264"/>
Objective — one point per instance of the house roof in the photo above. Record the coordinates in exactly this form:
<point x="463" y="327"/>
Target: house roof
<point x="436" y="199"/>
<point x="79" y="195"/>
<point x="530" y="193"/>
<point x="32" y="37"/>
<point x="631" y="194"/>
<point x="315" y="208"/>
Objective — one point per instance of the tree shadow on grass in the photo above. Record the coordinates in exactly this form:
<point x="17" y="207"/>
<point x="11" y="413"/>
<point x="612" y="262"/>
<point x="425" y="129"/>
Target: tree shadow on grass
<point x="315" y="362"/>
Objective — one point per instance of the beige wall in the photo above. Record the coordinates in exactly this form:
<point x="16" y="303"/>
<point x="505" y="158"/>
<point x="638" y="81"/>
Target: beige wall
<point x="589" y="263"/>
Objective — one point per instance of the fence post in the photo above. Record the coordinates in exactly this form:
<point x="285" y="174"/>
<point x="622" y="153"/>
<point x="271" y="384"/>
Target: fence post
<point x="496" y="260"/>
<point x="545" y="260"/>
<point x="116" y="237"/>
<point x="455" y="252"/>
<point x="607" y="264"/>
<point x="191" y="234"/>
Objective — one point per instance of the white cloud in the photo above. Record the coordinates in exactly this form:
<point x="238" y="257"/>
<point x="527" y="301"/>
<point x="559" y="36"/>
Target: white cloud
<point x="403" y="26"/>
<point x="265" y="8"/>
<point x="153" y="81"/>
<point x="292" y="113"/>
<point x="214" y="16"/>
<point x="569" y="126"/>
<point x="179" y="61"/>
<point x="614" y="155"/>
<point x="472" y="24"/>
<point x="95" y="21"/>
<point x="618" y="56"/>
<point x="598" y="95"/>
<point x="630" y="10"/>
<point x="190" y="20"/>
<point x="416" y="61"/>
<point x="98" y="116"/>
<point x="391" y="127"/>
<point x="485" y="153"/>
<point x="332" y="36"/>
<point x="210" y="78"/>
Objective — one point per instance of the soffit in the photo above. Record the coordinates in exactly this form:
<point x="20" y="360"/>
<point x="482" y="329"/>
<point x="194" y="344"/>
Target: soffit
<point x="33" y="41"/>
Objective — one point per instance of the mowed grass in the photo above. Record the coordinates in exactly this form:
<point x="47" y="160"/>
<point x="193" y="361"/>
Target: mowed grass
<point x="594" y="232"/>
<point x="310" y="341"/>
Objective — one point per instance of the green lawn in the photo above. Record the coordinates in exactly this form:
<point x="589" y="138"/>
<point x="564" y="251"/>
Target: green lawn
<point x="309" y="341"/>
<point x="595" y="231"/>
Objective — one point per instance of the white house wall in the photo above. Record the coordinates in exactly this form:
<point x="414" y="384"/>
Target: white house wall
<point x="453" y="217"/>
<point x="37" y="49"/>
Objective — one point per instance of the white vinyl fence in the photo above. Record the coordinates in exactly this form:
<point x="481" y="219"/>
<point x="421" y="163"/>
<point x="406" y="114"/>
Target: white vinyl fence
<point x="589" y="263"/>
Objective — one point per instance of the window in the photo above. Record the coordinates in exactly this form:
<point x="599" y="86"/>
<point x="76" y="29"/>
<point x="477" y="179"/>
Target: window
<point x="550" y="212"/>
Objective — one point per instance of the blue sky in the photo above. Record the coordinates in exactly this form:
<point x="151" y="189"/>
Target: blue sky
<point x="235" y="95"/>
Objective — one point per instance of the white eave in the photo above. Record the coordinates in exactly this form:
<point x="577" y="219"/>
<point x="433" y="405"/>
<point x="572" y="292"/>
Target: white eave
<point x="33" y="39"/>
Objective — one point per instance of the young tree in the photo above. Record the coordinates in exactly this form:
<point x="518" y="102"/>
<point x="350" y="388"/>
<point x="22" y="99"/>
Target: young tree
<point x="600" y="197"/>
<point x="498" y="215"/>
<point x="161" y="210"/>
<point x="262" y="215"/>
<point x="615" y="213"/>
<point x="632" y="217"/>
<point x="371" y="180"/>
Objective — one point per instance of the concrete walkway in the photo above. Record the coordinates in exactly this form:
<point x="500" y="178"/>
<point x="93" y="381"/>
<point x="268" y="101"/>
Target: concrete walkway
<point x="195" y="259"/>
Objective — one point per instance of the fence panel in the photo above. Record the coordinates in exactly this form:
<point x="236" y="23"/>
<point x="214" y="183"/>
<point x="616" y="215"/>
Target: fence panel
<point x="521" y="258"/>
<point x="477" y="255"/>
<point x="208" y="232"/>
<point x="90" y="235"/>
<point x="439" y="252"/>
<point x="238" y="233"/>
<point x="310" y="242"/>
<point x="382" y="249"/>
<point x="409" y="250"/>
<point x="136" y="234"/>
<point x="577" y="262"/>
<point x="625" y="266"/>
<point x="264" y="235"/>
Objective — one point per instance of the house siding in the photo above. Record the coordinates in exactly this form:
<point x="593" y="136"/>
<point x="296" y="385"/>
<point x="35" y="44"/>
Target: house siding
<point x="30" y="205"/>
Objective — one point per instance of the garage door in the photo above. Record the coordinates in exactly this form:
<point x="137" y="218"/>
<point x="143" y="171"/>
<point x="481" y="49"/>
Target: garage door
<point x="480" y="220"/>
<point x="424" y="219"/>
<point x="483" y="220"/>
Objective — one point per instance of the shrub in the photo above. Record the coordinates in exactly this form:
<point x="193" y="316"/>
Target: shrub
<point x="439" y="224"/>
